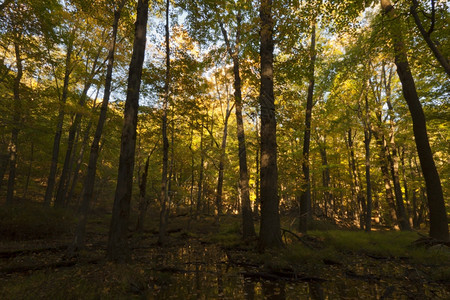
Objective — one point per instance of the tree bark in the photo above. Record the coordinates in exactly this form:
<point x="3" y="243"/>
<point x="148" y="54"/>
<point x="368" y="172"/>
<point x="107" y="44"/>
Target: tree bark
<point x="380" y="141"/>
<point x="380" y="138"/>
<point x="401" y="213"/>
<point x="61" y="193"/>
<point x="327" y="195"/>
<point x="117" y="242"/>
<point x="427" y="36"/>
<point x="392" y="157"/>
<point x="200" y="177"/>
<point x="405" y="183"/>
<point x="15" y="125"/>
<point x="367" y="138"/>
<point x="79" y="161"/>
<point x="305" y="196"/>
<point x="438" y="216"/>
<point x="222" y="163"/>
<point x="143" y="202"/>
<point x="88" y="187"/>
<point x="248" y="228"/>
<point x="4" y="160"/>
<point x="165" y="162"/>
<point x="30" y="167"/>
<point x="57" y="140"/>
<point x="358" y="199"/>
<point x="191" y="197"/>
<point x="257" y="207"/>
<point x="270" y="232"/>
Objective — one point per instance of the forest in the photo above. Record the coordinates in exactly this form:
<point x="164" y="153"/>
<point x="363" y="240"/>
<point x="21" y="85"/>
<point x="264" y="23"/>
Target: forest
<point x="202" y="149"/>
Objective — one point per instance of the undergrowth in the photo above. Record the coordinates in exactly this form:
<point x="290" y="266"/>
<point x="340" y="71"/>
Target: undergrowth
<point x="33" y="221"/>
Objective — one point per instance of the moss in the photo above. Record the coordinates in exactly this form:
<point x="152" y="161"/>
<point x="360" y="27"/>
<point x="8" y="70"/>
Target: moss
<point x="388" y="244"/>
<point x="441" y="274"/>
<point x="433" y="256"/>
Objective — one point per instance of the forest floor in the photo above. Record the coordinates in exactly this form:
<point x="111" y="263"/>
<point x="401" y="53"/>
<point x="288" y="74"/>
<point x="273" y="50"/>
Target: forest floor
<point x="203" y="260"/>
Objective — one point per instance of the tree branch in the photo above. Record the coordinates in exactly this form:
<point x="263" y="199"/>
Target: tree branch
<point x="426" y="36"/>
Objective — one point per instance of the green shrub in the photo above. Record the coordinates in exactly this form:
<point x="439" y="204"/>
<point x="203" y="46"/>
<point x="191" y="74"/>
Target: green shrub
<point x="391" y="244"/>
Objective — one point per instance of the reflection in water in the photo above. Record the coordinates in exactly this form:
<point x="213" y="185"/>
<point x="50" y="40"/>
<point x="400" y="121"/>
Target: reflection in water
<point x="315" y="290"/>
<point x="219" y="279"/>
<point x="202" y="272"/>
<point x="274" y="290"/>
<point x="249" y="289"/>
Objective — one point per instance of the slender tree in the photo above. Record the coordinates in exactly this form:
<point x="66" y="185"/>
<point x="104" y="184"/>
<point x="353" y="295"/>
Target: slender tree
<point x="438" y="216"/>
<point x="248" y="228"/>
<point x="60" y="121"/>
<point x="88" y="187"/>
<point x="165" y="162"/>
<point x="367" y="138"/>
<point x="305" y="197"/>
<point x="16" y="120"/>
<point x="143" y="203"/>
<point x="427" y="34"/>
<point x="357" y="196"/>
<point x="117" y="242"/>
<point x="392" y="156"/>
<point x="223" y="147"/>
<point x="60" y="199"/>
<point x="84" y="144"/>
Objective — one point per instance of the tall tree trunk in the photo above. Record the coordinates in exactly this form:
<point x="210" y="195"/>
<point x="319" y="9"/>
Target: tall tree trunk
<point x="270" y="232"/>
<point x="358" y="198"/>
<point x="15" y="125"/>
<point x="56" y="142"/>
<point x="191" y="198"/>
<point x="79" y="161"/>
<point x="305" y="196"/>
<point x="380" y="140"/>
<point x="248" y="228"/>
<point x="165" y="162"/>
<point x="328" y="196"/>
<point x="391" y="154"/>
<point x="89" y="181"/>
<point x="438" y="215"/>
<point x="60" y="199"/>
<point x="172" y="172"/>
<point x="257" y="177"/>
<point x="427" y="35"/>
<point x="223" y="147"/>
<point x="30" y="167"/>
<point x="117" y="242"/>
<point x="401" y="213"/>
<point x="405" y="183"/>
<point x="143" y="202"/>
<point x="384" y="154"/>
<point x="200" y="177"/>
<point x="415" y="209"/>
<point x="367" y="138"/>
<point x="4" y="160"/>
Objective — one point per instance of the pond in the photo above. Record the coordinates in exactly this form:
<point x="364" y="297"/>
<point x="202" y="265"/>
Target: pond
<point x="204" y="271"/>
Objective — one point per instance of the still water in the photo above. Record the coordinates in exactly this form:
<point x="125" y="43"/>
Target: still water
<point x="199" y="271"/>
